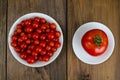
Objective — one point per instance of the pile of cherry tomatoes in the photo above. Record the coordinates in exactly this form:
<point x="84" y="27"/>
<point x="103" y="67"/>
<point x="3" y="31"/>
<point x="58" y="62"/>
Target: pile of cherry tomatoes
<point x="35" y="39"/>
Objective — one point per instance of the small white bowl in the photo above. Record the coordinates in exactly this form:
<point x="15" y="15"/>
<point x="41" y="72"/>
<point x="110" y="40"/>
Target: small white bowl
<point x="38" y="63"/>
<point x="79" y="50"/>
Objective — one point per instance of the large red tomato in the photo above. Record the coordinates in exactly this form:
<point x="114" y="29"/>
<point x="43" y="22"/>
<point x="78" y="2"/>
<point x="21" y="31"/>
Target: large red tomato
<point x="95" y="42"/>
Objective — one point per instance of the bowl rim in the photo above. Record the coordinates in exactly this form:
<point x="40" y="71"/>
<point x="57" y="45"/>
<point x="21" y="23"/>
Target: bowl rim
<point x="32" y="15"/>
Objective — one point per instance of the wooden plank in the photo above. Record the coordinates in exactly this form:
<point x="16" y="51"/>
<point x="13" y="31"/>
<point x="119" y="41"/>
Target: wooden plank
<point x="3" y="10"/>
<point x="57" y="69"/>
<point x="106" y="12"/>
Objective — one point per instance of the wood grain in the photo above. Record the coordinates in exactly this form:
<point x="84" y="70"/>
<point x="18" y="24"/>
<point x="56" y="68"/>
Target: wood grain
<point x="3" y="16"/>
<point x="57" y="69"/>
<point x="106" y="12"/>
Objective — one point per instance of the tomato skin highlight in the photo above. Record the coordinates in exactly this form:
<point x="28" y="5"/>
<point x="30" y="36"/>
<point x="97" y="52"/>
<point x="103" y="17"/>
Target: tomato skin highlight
<point x="95" y="42"/>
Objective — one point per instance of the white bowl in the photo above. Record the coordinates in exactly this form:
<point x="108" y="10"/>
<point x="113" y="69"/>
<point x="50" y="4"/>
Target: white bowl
<point x="38" y="63"/>
<point x="79" y="50"/>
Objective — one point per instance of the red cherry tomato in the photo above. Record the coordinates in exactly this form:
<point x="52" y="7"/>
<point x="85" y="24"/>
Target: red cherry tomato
<point x="40" y="58"/>
<point x="42" y="44"/>
<point x="23" y="45"/>
<point x="38" y="30"/>
<point x="52" y="26"/>
<point x="23" y="55"/>
<point x="24" y="37"/>
<point x="19" y="26"/>
<point x="17" y="49"/>
<point x="53" y="49"/>
<point x="51" y="43"/>
<point x="95" y="42"/>
<point x="37" y="19"/>
<point x="18" y="30"/>
<point x="43" y="52"/>
<point x="48" y="47"/>
<point x="38" y="49"/>
<point x="14" y="43"/>
<point x="42" y="20"/>
<point x="29" y="51"/>
<point x="35" y="35"/>
<point x="36" y="41"/>
<point x="28" y="29"/>
<point x="28" y="41"/>
<point x="42" y="37"/>
<point x="14" y="38"/>
<point x="57" y="44"/>
<point x="35" y="24"/>
<point x="46" y="58"/>
<point x="28" y="22"/>
<point x="30" y="59"/>
<point x="57" y="34"/>
<point x="49" y="53"/>
<point x="20" y="39"/>
<point x="34" y="53"/>
<point x="50" y="35"/>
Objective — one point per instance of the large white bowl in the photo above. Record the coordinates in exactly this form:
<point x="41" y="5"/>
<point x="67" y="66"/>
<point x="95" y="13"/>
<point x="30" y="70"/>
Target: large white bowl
<point x="32" y="15"/>
<point x="79" y="50"/>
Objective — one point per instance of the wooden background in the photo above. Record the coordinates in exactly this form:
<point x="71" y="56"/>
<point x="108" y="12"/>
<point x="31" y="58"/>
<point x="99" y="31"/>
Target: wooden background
<point x="70" y="14"/>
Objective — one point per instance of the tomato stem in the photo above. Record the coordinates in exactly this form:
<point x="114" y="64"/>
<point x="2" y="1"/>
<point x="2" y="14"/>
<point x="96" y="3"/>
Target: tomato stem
<point x="97" y="40"/>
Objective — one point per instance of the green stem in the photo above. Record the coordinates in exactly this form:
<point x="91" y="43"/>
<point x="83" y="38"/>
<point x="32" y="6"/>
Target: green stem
<point x="97" y="40"/>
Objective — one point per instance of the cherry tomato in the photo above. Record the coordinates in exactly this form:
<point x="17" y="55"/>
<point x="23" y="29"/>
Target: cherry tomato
<point x="48" y="47"/>
<point x="28" y="41"/>
<point x="19" y="26"/>
<point x="37" y="19"/>
<point x="42" y="37"/>
<point x="57" y="34"/>
<point x="35" y="35"/>
<point x="28" y="22"/>
<point x="32" y="46"/>
<point x="38" y="49"/>
<point x="23" y="23"/>
<point x="17" y="49"/>
<point x="18" y="30"/>
<point x="14" y="43"/>
<point x="43" y="51"/>
<point x="56" y="39"/>
<point x="30" y="59"/>
<point x="95" y="42"/>
<point x="53" y="49"/>
<point x="52" y="26"/>
<point x="40" y="58"/>
<point x="50" y="35"/>
<point x="23" y="55"/>
<point x="36" y="41"/>
<point x="22" y="33"/>
<point x="46" y="58"/>
<point x="42" y="44"/>
<point x="20" y="39"/>
<point x="43" y="27"/>
<point x="42" y="20"/>
<point x="23" y="45"/>
<point x="14" y="38"/>
<point x="51" y="43"/>
<point x="29" y="35"/>
<point x="34" y="53"/>
<point x="47" y="30"/>
<point x="49" y="53"/>
<point x="35" y="24"/>
<point x="24" y="37"/>
<point x="29" y="51"/>
<point x="38" y="30"/>
<point x="28" y="29"/>
<point x="57" y="44"/>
